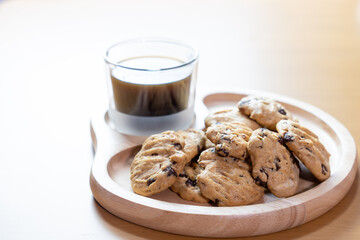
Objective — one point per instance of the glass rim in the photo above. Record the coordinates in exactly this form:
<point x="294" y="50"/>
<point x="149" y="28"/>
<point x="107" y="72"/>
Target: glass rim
<point x="152" y="40"/>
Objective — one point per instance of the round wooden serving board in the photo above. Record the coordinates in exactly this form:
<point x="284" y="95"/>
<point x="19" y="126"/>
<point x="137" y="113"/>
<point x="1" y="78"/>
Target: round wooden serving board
<point x="110" y="183"/>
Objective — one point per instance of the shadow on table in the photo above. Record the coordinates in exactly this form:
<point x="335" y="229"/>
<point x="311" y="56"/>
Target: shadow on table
<point x="129" y="230"/>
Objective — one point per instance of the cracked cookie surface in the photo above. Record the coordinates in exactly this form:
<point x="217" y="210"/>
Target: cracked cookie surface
<point x="224" y="183"/>
<point x="264" y="111"/>
<point x="162" y="158"/>
<point x="230" y="115"/>
<point x="230" y="139"/>
<point x="306" y="147"/>
<point x="158" y="163"/>
<point x="273" y="165"/>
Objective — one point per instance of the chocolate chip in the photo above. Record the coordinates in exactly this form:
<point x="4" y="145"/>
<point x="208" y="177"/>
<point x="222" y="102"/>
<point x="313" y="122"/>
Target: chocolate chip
<point x="260" y="183"/>
<point x="154" y="154"/>
<point x="214" y="203"/>
<point x="263" y="171"/>
<point x="177" y="146"/>
<point x="277" y="166"/>
<point x="263" y="134"/>
<point x="308" y="149"/>
<point x="150" y="181"/>
<point x="281" y="140"/>
<point x="241" y="175"/>
<point x="223" y="152"/>
<point x="276" y="161"/>
<point x="225" y="139"/>
<point x="183" y="175"/>
<point x="241" y="103"/>
<point x="170" y="171"/>
<point x="288" y="137"/>
<point x="323" y="169"/>
<point x="190" y="182"/>
<point x="282" y="111"/>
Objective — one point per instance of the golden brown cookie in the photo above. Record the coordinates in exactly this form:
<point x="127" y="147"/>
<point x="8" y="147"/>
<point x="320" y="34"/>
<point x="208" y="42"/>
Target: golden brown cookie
<point x="230" y="115"/>
<point x="264" y="111"/>
<point x="158" y="163"/>
<point x="230" y="139"/>
<point x="306" y="147"/>
<point x="161" y="159"/>
<point x="186" y="184"/>
<point x="224" y="182"/>
<point x="273" y="165"/>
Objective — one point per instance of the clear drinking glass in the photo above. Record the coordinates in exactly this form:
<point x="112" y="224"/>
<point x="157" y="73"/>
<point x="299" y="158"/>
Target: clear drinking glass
<point x="151" y="85"/>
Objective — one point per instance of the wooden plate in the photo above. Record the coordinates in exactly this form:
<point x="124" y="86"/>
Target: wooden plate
<point x="110" y="184"/>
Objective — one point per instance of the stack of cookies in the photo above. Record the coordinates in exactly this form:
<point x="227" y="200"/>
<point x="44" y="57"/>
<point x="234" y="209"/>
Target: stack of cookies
<point x="241" y="153"/>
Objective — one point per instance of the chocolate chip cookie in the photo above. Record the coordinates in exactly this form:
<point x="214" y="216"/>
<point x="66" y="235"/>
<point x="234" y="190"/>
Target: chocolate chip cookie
<point x="230" y="115"/>
<point x="224" y="183"/>
<point x="274" y="166"/>
<point x="158" y="163"/>
<point x="306" y="147"/>
<point x="194" y="142"/>
<point x="186" y="184"/>
<point x="230" y="139"/>
<point x="264" y="111"/>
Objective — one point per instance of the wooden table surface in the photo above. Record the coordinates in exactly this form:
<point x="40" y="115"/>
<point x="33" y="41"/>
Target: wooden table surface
<point x="52" y="79"/>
